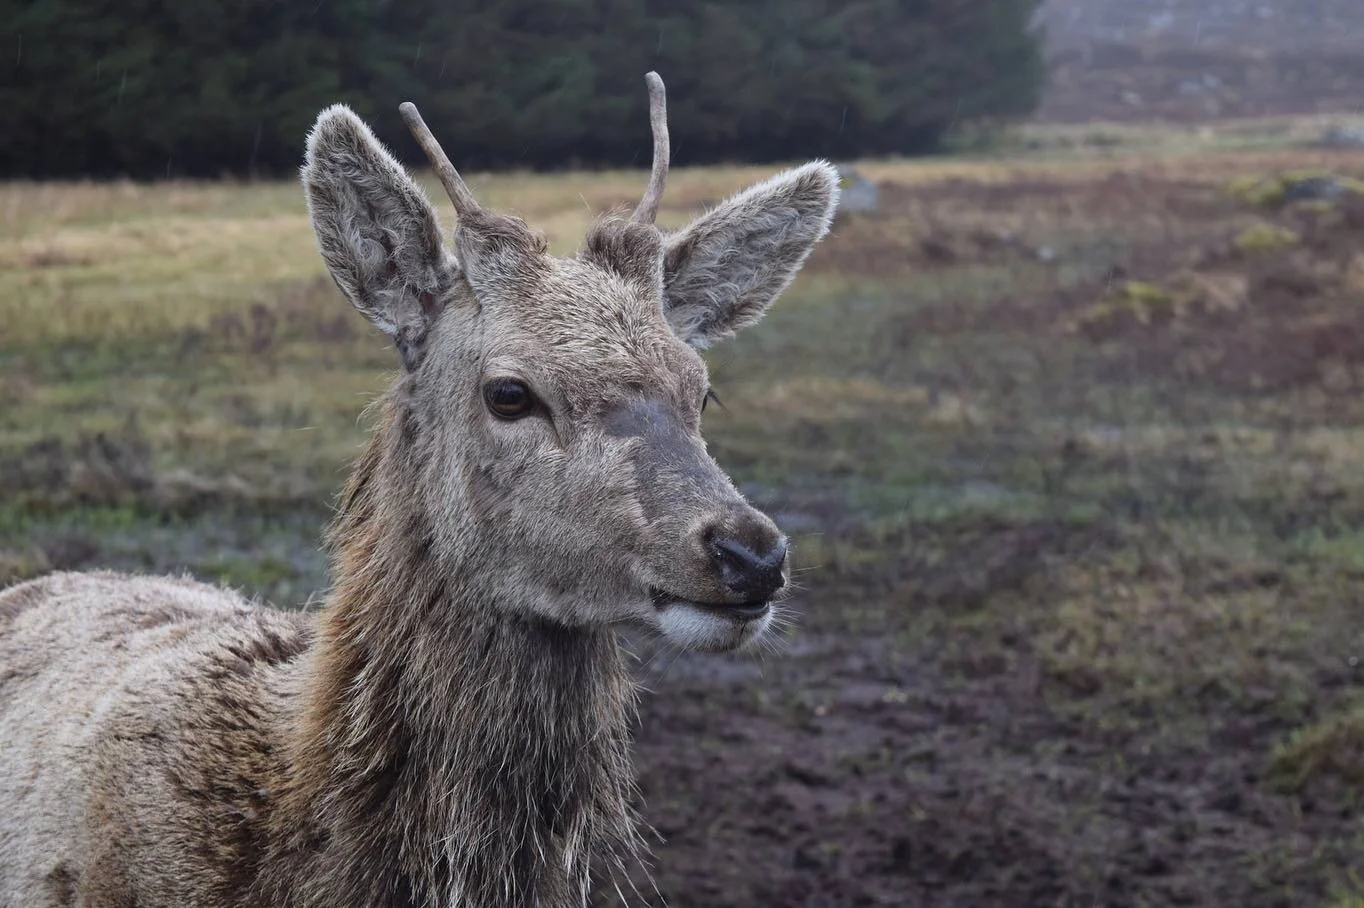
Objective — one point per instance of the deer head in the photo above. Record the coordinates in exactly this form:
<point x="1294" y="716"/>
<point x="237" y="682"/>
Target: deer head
<point x="551" y="407"/>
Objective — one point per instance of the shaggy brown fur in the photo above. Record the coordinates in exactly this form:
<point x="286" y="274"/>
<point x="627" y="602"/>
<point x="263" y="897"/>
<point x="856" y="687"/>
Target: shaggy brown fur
<point x="451" y="729"/>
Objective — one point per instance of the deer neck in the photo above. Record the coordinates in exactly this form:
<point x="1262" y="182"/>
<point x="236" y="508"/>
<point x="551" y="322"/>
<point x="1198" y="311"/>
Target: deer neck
<point x="450" y="750"/>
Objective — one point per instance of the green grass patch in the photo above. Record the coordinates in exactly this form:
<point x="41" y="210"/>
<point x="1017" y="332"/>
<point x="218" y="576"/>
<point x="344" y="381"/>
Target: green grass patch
<point x="1332" y="748"/>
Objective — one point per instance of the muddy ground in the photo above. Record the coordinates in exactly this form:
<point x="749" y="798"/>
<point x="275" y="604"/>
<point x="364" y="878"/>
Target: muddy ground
<point x="853" y="770"/>
<point x="923" y="741"/>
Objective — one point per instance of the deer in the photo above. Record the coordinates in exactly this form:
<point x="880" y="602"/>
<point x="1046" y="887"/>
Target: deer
<point x="452" y="725"/>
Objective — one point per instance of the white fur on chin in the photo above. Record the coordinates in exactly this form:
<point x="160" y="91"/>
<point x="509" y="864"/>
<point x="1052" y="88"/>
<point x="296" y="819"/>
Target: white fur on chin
<point x="692" y="627"/>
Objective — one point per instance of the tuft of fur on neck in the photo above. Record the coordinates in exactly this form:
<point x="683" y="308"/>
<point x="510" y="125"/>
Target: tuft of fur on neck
<point x="448" y="751"/>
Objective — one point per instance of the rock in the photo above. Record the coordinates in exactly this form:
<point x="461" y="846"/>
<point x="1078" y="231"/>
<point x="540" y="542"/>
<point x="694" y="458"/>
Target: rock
<point x="1294" y="186"/>
<point x="1338" y="136"/>
<point x="1325" y="189"/>
<point x="1205" y="83"/>
<point x="859" y="194"/>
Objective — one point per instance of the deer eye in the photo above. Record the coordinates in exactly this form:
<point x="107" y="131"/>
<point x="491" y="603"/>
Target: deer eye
<point x="508" y="398"/>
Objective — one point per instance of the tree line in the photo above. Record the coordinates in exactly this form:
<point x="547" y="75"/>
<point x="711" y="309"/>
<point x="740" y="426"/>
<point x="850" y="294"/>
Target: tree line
<point x="148" y="88"/>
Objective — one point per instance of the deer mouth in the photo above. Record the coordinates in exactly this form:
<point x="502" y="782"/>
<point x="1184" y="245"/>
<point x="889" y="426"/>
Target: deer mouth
<point x="742" y="611"/>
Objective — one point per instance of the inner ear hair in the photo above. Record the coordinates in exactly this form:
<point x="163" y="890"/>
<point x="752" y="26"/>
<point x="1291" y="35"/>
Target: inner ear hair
<point x="375" y="229"/>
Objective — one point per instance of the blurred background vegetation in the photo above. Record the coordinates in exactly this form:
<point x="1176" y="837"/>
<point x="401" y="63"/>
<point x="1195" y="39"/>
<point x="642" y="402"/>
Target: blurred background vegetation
<point x="149" y="88"/>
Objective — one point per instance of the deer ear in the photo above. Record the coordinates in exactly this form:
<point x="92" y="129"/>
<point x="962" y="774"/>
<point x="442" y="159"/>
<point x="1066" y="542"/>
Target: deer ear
<point x="376" y="230"/>
<point x="722" y="271"/>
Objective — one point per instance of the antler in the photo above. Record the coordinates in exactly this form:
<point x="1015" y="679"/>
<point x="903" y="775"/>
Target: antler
<point x="647" y="209"/>
<point x="459" y="193"/>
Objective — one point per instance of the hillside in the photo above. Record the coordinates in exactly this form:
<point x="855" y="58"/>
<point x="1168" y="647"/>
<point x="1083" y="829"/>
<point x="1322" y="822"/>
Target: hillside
<point x="1188" y="60"/>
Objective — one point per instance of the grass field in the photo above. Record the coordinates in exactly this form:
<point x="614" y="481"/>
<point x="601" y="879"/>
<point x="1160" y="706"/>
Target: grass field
<point x="1069" y="442"/>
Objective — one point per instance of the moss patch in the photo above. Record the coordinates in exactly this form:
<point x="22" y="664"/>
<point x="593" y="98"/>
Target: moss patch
<point x="1265" y="238"/>
<point x="1292" y="186"/>
<point x="1331" y="748"/>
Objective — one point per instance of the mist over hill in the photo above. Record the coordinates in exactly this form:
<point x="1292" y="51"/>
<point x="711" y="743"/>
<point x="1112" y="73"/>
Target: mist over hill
<point x="1202" y="59"/>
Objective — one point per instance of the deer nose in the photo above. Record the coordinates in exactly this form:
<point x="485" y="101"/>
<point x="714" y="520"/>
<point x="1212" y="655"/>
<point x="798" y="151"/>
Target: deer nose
<point x="752" y="568"/>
